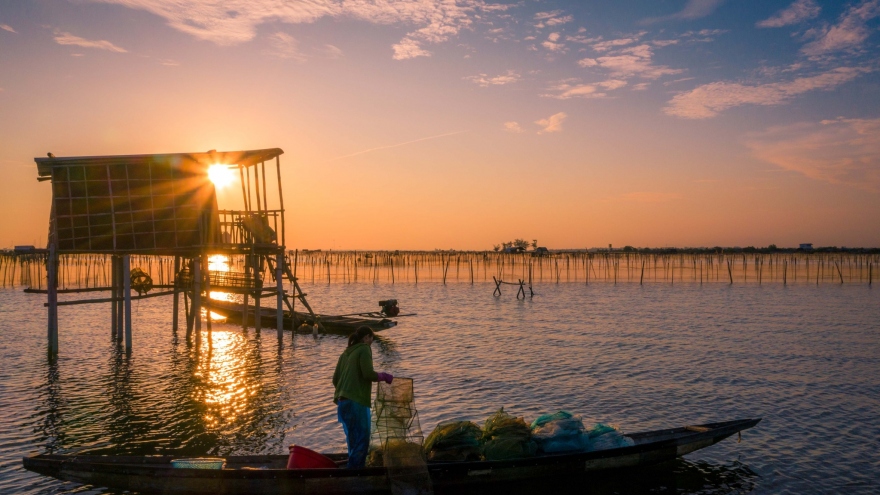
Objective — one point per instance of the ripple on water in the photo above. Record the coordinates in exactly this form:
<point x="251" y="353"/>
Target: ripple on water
<point x="804" y="358"/>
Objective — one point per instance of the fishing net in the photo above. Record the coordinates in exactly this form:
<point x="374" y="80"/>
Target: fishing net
<point x="399" y="435"/>
<point x="507" y="437"/>
<point x="454" y="441"/>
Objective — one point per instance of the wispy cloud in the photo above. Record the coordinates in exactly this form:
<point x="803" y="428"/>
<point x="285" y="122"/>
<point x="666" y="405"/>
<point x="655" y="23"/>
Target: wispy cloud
<point x="285" y="46"/>
<point x="633" y="61"/>
<point x="552" y="18"/>
<point x="395" y="145"/>
<point x="799" y="11"/>
<point x="232" y="22"/>
<point x="483" y="80"/>
<point x="7" y="27"/>
<point x="841" y="151"/>
<point x="63" y="38"/>
<point x="849" y="33"/>
<point x="604" y="46"/>
<point x="710" y="99"/>
<point x="552" y="123"/>
<point x="513" y="127"/>
<point x="695" y="9"/>
<point x="573" y="88"/>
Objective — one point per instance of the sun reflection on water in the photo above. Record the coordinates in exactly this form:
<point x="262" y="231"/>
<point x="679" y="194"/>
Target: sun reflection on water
<point x="227" y="389"/>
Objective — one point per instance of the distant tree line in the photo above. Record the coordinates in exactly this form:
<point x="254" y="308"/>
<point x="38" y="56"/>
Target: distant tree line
<point x="516" y="243"/>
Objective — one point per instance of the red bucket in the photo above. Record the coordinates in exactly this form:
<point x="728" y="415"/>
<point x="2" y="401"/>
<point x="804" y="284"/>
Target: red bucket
<point x="303" y="458"/>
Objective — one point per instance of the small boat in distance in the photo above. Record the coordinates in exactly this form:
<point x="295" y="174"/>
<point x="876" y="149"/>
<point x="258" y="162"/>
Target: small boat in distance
<point x="342" y="324"/>
<point x="267" y="474"/>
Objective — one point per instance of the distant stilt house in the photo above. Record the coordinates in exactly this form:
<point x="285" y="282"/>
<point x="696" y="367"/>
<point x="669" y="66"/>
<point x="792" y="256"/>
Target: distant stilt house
<point x="166" y="205"/>
<point x="806" y="247"/>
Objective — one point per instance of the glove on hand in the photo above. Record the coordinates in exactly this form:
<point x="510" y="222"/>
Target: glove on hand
<point x="385" y="377"/>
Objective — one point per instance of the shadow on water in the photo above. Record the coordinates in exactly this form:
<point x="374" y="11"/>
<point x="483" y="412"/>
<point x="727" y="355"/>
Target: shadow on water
<point x="680" y="476"/>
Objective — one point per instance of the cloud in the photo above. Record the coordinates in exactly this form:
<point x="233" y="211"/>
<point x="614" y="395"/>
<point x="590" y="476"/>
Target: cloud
<point x="7" y="27"/>
<point x="233" y="22"/>
<point x="632" y="61"/>
<point x="551" y="43"/>
<point x="63" y="38"/>
<point x="849" y="33"/>
<point x="841" y="151"/>
<point x="568" y="89"/>
<point x="513" y="127"/>
<point x="710" y="99"/>
<point x="604" y="46"/>
<point x="552" y="123"/>
<point x="588" y="62"/>
<point x="799" y="11"/>
<point x="285" y="46"/>
<point x="409" y="48"/>
<point x="552" y="18"/>
<point x="485" y="81"/>
<point x="573" y="88"/>
<point x="649" y="197"/>
<point x="695" y="9"/>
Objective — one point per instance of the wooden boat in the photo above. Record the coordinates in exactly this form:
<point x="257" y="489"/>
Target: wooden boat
<point x="332" y="324"/>
<point x="267" y="474"/>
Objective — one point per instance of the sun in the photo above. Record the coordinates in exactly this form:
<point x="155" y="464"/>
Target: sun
<point x="221" y="175"/>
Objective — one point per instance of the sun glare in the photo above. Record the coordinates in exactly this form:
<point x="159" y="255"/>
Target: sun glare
<point x="221" y="175"/>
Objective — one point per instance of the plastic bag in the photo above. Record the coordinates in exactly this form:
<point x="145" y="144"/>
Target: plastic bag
<point x="454" y="441"/>
<point x="559" y="432"/>
<point x="602" y="437"/>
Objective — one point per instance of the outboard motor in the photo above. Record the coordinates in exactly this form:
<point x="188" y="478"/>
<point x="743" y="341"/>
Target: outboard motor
<point x="389" y="307"/>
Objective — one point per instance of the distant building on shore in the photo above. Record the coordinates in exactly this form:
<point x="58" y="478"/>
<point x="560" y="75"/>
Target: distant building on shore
<point x="806" y="246"/>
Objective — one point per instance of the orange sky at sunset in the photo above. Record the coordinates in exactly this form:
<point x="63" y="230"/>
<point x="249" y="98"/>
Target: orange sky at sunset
<point x="463" y="124"/>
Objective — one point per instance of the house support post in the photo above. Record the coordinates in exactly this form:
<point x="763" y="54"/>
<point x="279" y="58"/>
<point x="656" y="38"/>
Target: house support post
<point x="52" y="293"/>
<point x="258" y="273"/>
<point x="114" y="293"/>
<point x="279" y="299"/>
<point x="197" y="299"/>
<point x="207" y="302"/>
<point x="176" y="303"/>
<point x="126" y="289"/>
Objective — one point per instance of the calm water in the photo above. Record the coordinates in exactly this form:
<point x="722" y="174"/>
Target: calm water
<point x="805" y="358"/>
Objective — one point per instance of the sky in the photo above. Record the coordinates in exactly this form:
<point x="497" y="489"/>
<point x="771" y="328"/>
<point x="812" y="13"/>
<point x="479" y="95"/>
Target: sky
<point x="462" y="124"/>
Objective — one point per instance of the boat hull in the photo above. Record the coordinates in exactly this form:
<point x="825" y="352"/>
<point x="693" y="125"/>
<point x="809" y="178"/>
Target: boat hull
<point x="268" y="475"/>
<point x="233" y="311"/>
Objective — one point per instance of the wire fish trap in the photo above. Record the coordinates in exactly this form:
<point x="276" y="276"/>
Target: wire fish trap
<point x="400" y="437"/>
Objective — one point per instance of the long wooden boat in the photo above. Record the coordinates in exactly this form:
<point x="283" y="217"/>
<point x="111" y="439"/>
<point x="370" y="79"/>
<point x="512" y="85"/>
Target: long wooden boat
<point x="332" y="324"/>
<point x="267" y="474"/>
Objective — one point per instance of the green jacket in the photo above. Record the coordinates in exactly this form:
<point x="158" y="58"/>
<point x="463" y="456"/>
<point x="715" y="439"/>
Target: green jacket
<point x="354" y="375"/>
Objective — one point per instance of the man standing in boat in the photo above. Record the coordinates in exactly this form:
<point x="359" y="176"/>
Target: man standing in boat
<point x="353" y="380"/>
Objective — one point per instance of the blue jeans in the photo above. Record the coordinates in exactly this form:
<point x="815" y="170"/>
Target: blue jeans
<point x="355" y="420"/>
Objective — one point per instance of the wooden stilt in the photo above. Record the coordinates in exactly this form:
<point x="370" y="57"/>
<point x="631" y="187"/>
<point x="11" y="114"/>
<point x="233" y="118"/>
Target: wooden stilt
<point x="279" y="298"/>
<point x="246" y="296"/>
<point x="258" y="278"/>
<point x="176" y="303"/>
<point x="197" y="299"/>
<point x="126" y="289"/>
<point x="120" y="312"/>
<point x="52" y="289"/>
<point x="207" y="301"/>
<point x="114" y="293"/>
